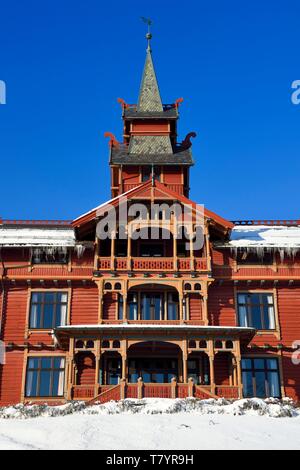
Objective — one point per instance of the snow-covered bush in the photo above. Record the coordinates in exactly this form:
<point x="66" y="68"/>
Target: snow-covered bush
<point x="271" y="407"/>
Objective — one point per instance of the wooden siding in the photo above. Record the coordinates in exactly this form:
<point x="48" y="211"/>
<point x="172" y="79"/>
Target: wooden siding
<point x="195" y="307"/>
<point x="84" y="305"/>
<point x="221" y="305"/>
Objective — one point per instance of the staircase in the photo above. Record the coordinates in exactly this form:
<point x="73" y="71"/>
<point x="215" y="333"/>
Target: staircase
<point x="113" y="393"/>
<point x="203" y="394"/>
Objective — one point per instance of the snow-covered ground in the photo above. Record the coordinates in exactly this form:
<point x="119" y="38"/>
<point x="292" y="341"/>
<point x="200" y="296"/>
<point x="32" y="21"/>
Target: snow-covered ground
<point x="153" y="424"/>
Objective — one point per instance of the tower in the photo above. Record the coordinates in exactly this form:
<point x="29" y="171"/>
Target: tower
<point x="150" y="148"/>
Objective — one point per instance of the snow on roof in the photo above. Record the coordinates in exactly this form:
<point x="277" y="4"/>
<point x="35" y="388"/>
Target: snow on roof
<point x="153" y="326"/>
<point x="265" y="236"/>
<point x="37" y="236"/>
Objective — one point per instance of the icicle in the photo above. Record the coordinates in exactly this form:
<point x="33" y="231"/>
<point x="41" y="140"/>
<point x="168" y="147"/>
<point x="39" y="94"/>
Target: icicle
<point x="80" y="249"/>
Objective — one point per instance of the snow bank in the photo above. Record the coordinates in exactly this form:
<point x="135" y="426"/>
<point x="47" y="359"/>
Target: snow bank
<point x="271" y="407"/>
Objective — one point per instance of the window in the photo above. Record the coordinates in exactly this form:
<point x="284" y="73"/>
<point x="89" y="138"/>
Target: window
<point x="45" y="377"/>
<point x="133" y="306"/>
<point x="48" y="309"/>
<point x="173" y="304"/>
<point x="151" y="249"/>
<point x="260" y="378"/>
<point x="152" y="306"/>
<point x="120" y="307"/>
<point x="147" y="173"/>
<point x="256" y="310"/>
<point x="51" y="255"/>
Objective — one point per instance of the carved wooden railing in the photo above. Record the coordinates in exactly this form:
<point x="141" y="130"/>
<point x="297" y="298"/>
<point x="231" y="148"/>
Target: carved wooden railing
<point x="182" y="390"/>
<point x="152" y="264"/>
<point x="227" y="391"/>
<point x="132" y="391"/>
<point x="84" y="392"/>
<point x="153" y="390"/>
<point x="200" y="264"/>
<point x="104" y="393"/>
<point x="128" y="186"/>
<point x="104" y="263"/>
<point x="160" y="264"/>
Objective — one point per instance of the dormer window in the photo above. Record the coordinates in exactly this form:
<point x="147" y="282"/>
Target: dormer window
<point x="147" y="173"/>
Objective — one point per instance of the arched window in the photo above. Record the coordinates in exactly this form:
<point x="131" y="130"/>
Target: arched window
<point x="203" y="344"/>
<point x="118" y="286"/>
<point x="90" y="344"/>
<point x="197" y="286"/>
<point x="192" y="344"/>
<point x="79" y="344"/>
<point x="107" y="286"/>
<point x="116" y="344"/>
<point x="218" y="344"/>
<point x="105" y="344"/>
<point x="229" y="344"/>
<point x="187" y="286"/>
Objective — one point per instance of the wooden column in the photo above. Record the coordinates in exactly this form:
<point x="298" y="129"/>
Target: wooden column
<point x="71" y="370"/>
<point x="125" y="316"/>
<point x="184" y="362"/>
<point x="124" y="359"/>
<point x="113" y="249"/>
<point x="185" y="368"/>
<point x="96" y="254"/>
<point x="211" y="353"/>
<point x="175" y="263"/>
<point x="97" y="369"/>
<point x="191" y="386"/>
<point x="180" y="294"/>
<point x="181" y="307"/>
<point x="207" y="246"/>
<point x="192" y="257"/>
<point x="129" y="250"/>
<point x="238" y="368"/>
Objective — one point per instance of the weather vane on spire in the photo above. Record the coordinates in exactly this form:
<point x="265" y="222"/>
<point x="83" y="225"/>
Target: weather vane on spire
<point x="148" y="21"/>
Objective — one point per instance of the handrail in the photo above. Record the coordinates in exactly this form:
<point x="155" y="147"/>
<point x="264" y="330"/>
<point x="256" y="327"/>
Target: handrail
<point x="93" y="400"/>
<point x="285" y="222"/>
<point x="205" y="391"/>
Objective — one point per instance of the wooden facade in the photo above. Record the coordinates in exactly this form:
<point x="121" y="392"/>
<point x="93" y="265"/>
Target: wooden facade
<point x="89" y="319"/>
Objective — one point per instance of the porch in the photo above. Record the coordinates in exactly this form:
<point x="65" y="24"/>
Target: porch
<point x="104" y="393"/>
<point x="129" y="361"/>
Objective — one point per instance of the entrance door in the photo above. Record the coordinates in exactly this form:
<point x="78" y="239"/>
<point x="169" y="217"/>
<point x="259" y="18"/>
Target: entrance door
<point x="198" y="369"/>
<point x="114" y="371"/>
<point x="152" y="370"/>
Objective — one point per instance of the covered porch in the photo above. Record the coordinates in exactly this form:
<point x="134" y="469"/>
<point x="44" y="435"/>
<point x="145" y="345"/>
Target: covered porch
<point x="133" y="361"/>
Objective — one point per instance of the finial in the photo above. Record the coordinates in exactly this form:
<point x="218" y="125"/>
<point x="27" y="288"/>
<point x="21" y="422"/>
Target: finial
<point x="148" y="21"/>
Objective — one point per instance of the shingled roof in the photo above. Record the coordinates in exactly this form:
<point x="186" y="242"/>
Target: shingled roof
<point x="120" y="156"/>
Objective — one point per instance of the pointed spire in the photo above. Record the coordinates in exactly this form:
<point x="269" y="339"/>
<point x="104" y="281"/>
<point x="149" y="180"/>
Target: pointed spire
<point x="149" y="97"/>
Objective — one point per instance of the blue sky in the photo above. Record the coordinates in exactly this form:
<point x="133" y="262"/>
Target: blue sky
<point x="66" y="62"/>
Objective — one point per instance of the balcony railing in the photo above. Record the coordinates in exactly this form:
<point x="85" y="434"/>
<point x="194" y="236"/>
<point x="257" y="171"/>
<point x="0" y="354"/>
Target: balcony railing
<point x="151" y="264"/>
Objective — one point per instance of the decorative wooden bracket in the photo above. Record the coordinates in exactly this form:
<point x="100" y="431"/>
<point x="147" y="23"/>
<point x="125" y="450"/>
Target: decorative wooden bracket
<point x="113" y="141"/>
<point x="178" y="102"/>
<point x="186" y="143"/>
<point x="123" y="103"/>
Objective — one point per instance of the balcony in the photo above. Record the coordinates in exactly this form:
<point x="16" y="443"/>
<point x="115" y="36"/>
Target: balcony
<point x="151" y="264"/>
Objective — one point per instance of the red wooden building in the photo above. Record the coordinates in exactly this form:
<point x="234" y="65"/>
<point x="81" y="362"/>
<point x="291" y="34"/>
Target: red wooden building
<point x="142" y="313"/>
